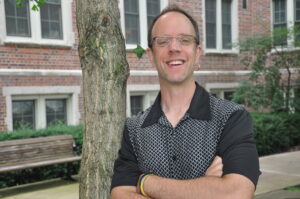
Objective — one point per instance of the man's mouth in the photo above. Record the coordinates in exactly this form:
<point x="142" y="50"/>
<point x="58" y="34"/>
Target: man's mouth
<point x="175" y="62"/>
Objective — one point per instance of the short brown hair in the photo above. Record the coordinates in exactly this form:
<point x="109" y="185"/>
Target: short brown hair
<point x="173" y="8"/>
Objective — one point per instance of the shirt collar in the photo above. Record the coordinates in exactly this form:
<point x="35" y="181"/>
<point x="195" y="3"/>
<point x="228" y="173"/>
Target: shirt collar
<point x="199" y="108"/>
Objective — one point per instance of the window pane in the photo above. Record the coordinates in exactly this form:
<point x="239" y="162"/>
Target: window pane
<point x="297" y="33"/>
<point x="17" y="19"/>
<point x="11" y="26"/>
<point x="10" y="6"/>
<point x="279" y="11"/>
<point x="153" y="9"/>
<point x="23" y="114"/>
<point x="228" y="95"/>
<point x="132" y="26"/>
<point x="51" y="20"/>
<point x="210" y="18"/>
<point x="280" y="35"/>
<point x="297" y="100"/>
<point x="23" y="26"/>
<point x="297" y="10"/>
<point x="226" y="24"/>
<point x="136" y="103"/>
<point x="56" y="111"/>
<point x="297" y="22"/>
<point x="280" y="25"/>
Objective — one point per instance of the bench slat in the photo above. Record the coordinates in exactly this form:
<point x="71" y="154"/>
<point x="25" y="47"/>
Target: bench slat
<point x="39" y="164"/>
<point x="36" y="140"/>
<point x="36" y="148"/>
<point x="35" y="152"/>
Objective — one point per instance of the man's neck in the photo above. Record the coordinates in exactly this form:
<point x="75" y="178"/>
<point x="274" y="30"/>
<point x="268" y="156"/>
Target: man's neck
<point x="176" y="100"/>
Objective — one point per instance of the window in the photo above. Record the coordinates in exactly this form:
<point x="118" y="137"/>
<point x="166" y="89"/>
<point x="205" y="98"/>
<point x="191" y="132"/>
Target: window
<point x="286" y="16"/>
<point x="297" y="21"/>
<point x="280" y="23"/>
<point x="23" y="114"/>
<point x="51" y="25"/>
<point x="211" y="25"/>
<point x="223" y="90"/>
<point x="38" y="107"/>
<point x="132" y="24"/>
<point x="220" y="25"/>
<point x="38" y="111"/>
<point x="136" y="104"/>
<point x="226" y="24"/>
<point x="228" y="95"/>
<point x="51" y="20"/>
<point x="136" y="17"/>
<point x="244" y="4"/>
<point x="140" y="97"/>
<point x="17" y="19"/>
<point x="153" y="9"/>
<point x="223" y="94"/>
<point x="56" y="111"/>
<point x="296" y="100"/>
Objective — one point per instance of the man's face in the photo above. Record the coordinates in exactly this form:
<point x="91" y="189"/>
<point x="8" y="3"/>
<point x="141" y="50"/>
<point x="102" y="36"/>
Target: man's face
<point x="176" y="56"/>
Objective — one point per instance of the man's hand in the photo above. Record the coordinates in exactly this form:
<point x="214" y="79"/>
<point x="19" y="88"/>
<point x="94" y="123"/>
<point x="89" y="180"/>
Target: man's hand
<point x="216" y="168"/>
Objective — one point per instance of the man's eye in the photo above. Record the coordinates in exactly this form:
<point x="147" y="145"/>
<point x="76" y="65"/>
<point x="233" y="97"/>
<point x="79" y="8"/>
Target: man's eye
<point x="162" y="41"/>
<point x="185" y="40"/>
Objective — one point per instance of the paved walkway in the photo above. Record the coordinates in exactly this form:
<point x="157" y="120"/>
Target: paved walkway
<point x="278" y="171"/>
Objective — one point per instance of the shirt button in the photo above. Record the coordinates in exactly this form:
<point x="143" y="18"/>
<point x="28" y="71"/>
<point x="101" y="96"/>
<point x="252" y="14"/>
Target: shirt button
<point x="174" y="158"/>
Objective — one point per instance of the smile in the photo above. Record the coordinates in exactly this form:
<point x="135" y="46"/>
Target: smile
<point x="175" y="62"/>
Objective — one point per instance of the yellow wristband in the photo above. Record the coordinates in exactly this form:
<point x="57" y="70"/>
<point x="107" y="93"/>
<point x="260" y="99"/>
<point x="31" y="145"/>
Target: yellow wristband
<point x="142" y="185"/>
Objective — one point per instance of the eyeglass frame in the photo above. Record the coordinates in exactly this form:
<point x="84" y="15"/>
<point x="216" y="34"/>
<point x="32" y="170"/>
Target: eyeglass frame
<point x="177" y="39"/>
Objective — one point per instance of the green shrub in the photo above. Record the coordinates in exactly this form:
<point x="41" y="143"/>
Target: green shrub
<point x="276" y="133"/>
<point x="42" y="173"/>
<point x="273" y="133"/>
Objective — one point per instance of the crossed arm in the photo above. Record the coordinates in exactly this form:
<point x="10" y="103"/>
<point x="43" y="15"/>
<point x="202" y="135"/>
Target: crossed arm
<point x="124" y="192"/>
<point x="239" y="157"/>
<point x="212" y="186"/>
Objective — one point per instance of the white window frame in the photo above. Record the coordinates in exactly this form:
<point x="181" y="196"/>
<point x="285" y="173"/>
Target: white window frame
<point x="221" y="88"/>
<point x="148" y="91"/>
<point x="290" y="19"/>
<point x="142" y="20"/>
<point x="40" y="95"/>
<point x="234" y="29"/>
<point x="35" y="28"/>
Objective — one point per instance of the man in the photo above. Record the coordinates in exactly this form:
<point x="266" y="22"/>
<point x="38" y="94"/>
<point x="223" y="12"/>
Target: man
<point x="178" y="138"/>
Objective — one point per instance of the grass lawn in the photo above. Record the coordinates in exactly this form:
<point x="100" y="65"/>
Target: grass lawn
<point x="293" y="188"/>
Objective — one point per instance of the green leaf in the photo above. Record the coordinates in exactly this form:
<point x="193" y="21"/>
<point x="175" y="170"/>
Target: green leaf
<point x="139" y="51"/>
<point x="35" y="8"/>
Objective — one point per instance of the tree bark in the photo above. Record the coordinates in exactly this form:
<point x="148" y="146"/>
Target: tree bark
<point x="105" y="71"/>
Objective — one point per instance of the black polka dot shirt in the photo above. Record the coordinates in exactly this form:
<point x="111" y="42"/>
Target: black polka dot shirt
<point x="210" y="127"/>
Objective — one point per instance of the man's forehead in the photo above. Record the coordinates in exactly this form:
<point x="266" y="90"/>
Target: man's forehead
<point x="171" y="18"/>
<point x="172" y="15"/>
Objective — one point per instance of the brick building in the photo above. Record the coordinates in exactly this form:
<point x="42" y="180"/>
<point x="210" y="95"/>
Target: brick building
<point x="40" y="76"/>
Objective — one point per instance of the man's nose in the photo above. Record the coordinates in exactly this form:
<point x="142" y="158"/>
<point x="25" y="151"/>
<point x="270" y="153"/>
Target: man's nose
<point x="174" y="45"/>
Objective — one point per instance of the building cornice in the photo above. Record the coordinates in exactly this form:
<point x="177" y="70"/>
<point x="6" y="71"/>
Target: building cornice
<point x="51" y="72"/>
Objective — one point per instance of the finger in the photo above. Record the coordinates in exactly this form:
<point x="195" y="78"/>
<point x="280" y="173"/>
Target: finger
<point x="217" y="160"/>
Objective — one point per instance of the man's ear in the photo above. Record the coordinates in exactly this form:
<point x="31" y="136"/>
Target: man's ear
<point x="199" y="51"/>
<point x="198" y="55"/>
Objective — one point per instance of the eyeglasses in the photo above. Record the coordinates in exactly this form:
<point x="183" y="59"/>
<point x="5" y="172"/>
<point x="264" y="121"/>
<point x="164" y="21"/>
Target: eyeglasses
<point x="185" y="40"/>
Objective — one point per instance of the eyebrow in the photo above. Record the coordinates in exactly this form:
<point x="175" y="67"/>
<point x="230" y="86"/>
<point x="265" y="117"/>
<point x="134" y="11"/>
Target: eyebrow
<point x="174" y="36"/>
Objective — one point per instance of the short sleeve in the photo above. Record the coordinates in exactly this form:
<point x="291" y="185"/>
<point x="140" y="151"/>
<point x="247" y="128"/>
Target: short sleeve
<point x="237" y="147"/>
<point x="126" y="172"/>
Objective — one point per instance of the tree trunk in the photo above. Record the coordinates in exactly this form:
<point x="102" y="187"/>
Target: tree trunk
<point x="105" y="71"/>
